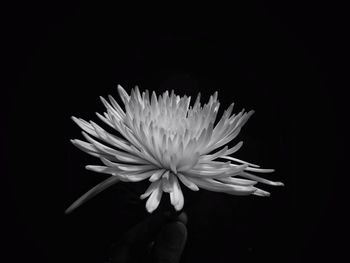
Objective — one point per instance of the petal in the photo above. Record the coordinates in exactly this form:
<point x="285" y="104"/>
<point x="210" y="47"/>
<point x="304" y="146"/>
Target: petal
<point x="176" y="196"/>
<point x="115" y="112"/>
<point x="260" y="192"/>
<point x="239" y="161"/>
<point x="104" y="119"/>
<point x="136" y="177"/>
<point x="186" y="181"/>
<point x="154" y="200"/>
<point x="123" y="94"/>
<point x="99" y="146"/>
<point x="234" y="148"/>
<point x="116" y="106"/>
<point x="90" y="149"/>
<point x="135" y="168"/>
<point x="260" y="180"/>
<point x="217" y="166"/>
<point x="102" y="169"/>
<point x="167" y="179"/>
<point x="122" y="175"/>
<point x="110" y="138"/>
<point x="116" y="156"/>
<point x="128" y="158"/>
<point x="212" y="185"/>
<point x="260" y="170"/>
<point x="156" y="175"/>
<point x="237" y="181"/>
<point x="206" y="158"/>
<point x="216" y="173"/>
<point x="84" y="125"/>
<point x="150" y="189"/>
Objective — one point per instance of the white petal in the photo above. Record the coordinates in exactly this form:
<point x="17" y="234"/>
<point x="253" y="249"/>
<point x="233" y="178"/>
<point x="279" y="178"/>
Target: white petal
<point x="219" y="173"/>
<point x="154" y="200"/>
<point x="136" y="177"/>
<point x="112" y="109"/>
<point x="237" y="181"/>
<point x="130" y="159"/>
<point x="206" y="158"/>
<point x="234" y="148"/>
<point x="104" y="119"/>
<point x="135" y="168"/>
<point x="84" y="125"/>
<point x="212" y="185"/>
<point x="90" y="149"/>
<point x="109" y="138"/>
<point x="102" y="169"/>
<point x="123" y="95"/>
<point x="239" y="161"/>
<point x="178" y="196"/>
<point x="116" y="106"/>
<point x="186" y="181"/>
<point x="123" y="176"/>
<point x="114" y="154"/>
<point x="260" y="192"/>
<point x="167" y="182"/>
<point x="99" y="146"/>
<point x="150" y="189"/>
<point x="259" y="170"/>
<point x="156" y="175"/>
<point x="260" y="180"/>
<point x="210" y="166"/>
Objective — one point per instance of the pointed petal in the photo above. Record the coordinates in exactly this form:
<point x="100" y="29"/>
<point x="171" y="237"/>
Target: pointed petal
<point x="104" y="119"/>
<point x="116" y="106"/>
<point x="260" y="180"/>
<point x="260" y="170"/>
<point x="123" y="94"/>
<point x="239" y="161"/>
<point x="85" y="126"/>
<point x="136" y="177"/>
<point x="237" y="181"/>
<point x="150" y="189"/>
<point x="90" y="149"/>
<point x="234" y="148"/>
<point x="156" y="175"/>
<point x="215" y="186"/>
<point x="260" y="192"/>
<point x="187" y="181"/>
<point x="111" y="109"/>
<point x="154" y="200"/>
<point x="216" y="173"/>
<point x="167" y="180"/>
<point x="206" y="158"/>
<point x="102" y="169"/>
<point x="134" y="168"/>
<point x="99" y="146"/>
<point x="178" y="195"/>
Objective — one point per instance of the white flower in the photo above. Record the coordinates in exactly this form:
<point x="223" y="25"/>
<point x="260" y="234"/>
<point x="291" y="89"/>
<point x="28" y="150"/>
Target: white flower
<point x="167" y="141"/>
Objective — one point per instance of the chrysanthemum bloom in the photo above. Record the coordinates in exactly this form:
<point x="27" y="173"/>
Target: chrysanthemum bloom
<point x="168" y="142"/>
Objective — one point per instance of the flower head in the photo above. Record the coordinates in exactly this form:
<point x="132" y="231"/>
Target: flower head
<point x="170" y="143"/>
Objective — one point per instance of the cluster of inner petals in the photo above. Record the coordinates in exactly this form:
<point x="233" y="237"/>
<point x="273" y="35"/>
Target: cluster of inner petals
<point x="169" y="142"/>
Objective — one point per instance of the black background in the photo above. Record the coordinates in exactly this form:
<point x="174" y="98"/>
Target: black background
<point x="282" y="60"/>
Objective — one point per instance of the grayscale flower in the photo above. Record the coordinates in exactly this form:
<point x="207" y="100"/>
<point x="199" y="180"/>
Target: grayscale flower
<point x="167" y="141"/>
